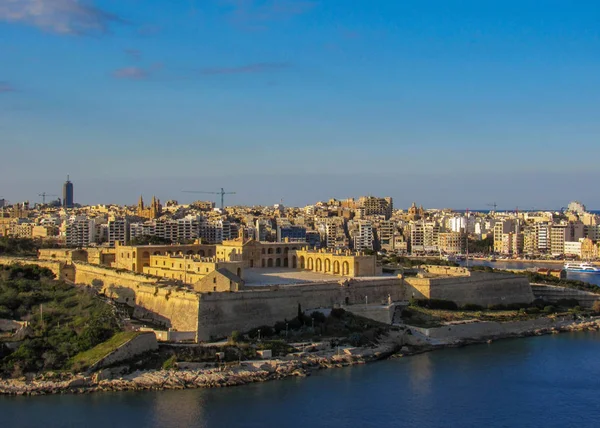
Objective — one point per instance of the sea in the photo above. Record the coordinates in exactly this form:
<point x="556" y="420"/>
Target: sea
<point x="545" y="381"/>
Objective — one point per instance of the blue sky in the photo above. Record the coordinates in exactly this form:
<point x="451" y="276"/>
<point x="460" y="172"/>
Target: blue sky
<point x="448" y="103"/>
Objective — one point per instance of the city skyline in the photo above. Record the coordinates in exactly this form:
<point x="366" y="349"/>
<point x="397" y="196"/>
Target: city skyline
<point x="305" y="190"/>
<point x="329" y="99"/>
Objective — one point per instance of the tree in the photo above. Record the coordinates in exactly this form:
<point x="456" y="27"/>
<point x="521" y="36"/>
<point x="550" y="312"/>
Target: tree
<point x="150" y="240"/>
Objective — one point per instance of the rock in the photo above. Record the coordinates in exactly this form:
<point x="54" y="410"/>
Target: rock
<point x="78" y="383"/>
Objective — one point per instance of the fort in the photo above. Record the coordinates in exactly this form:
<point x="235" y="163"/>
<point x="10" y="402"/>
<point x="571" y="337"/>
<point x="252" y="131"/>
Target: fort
<point x="212" y="290"/>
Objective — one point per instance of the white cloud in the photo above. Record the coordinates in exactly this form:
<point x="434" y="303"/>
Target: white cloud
<point x="60" y="16"/>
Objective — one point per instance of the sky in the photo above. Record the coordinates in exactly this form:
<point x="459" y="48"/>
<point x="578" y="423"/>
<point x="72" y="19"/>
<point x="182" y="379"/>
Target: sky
<point x="447" y="103"/>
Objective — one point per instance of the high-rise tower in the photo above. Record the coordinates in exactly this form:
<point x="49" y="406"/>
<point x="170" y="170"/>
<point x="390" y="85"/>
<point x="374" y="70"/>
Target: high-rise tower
<point x="68" y="194"/>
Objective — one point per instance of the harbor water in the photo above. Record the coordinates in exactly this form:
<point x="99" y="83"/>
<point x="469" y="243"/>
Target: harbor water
<point x="547" y="381"/>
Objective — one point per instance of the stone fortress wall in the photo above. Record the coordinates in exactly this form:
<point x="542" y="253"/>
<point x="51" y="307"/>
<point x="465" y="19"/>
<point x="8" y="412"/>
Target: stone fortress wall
<point x="222" y="313"/>
<point x="217" y="314"/>
<point x="462" y="286"/>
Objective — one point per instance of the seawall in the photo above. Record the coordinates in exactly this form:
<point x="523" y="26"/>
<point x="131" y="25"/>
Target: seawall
<point x="221" y="313"/>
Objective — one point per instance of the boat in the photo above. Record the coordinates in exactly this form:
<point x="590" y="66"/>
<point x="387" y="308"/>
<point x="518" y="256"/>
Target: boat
<point x="581" y="268"/>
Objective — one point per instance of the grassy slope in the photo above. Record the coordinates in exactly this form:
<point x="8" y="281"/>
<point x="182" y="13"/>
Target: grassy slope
<point x="85" y="359"/>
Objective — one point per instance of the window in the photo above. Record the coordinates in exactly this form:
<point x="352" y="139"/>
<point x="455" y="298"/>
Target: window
<point x="214" y="280"/>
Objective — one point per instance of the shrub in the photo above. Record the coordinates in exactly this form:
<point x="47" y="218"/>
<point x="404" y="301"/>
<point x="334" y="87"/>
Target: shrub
<point x="517" y="306"/>
<point x="235" y="336"/>
<point x="357" y="339"/>
<point x="436" y="304"/>
<point x="265" y="331"/>
<point x="472" y="307"/>
<point x="567" y="303"/>
<point x="337" y="312"/>
<point x="533" y="310"/>
<point x="596" y="306"/>
<point x="550" y="309"/>
<point x="406" y="313"/>
<point x="170" y="363"/>
<point x="319" y="317"/>
<point x="497" y="307"/>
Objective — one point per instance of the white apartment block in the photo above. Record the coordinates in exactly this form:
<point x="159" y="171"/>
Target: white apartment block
<point x="118" y="231"/>
<point x="363" y="237"/>
<point x="572" y="248"/>
<point x="79" y="232"/>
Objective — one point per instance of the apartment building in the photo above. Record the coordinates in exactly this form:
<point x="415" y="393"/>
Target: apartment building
<point x="79" y="232"/>
<point x="452" y="242"/>
<point x="117" y="231"/>
<point x="363" y="236"/>
<point x="424" y="237"/>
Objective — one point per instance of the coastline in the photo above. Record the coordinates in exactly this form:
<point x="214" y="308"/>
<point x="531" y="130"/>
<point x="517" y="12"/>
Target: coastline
<point x="406" y="341"/>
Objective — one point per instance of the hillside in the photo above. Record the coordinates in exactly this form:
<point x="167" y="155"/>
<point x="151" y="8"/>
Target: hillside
<point x="63" y="320"/>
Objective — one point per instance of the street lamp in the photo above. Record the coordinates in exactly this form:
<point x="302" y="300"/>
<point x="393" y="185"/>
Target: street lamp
<point x="366" y="300"/>
<point x="286" y="330"/>
<point x="259" y="334"/>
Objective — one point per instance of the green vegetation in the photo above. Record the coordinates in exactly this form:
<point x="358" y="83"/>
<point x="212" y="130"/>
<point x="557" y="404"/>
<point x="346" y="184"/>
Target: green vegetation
<point x="23" y="247"/>
<point x="434" y="313"/>
<point x="150" y="240"/>
<point x="414" y="262"/>
<point x="85" y="359"/>
<point x="170" y="363"/>
<point x="483" y="246"/>
<point x="64" y="320"/>
<point x="339" y="323"/>
<point x="434" y="304"/>
<point x="18" y="246"/>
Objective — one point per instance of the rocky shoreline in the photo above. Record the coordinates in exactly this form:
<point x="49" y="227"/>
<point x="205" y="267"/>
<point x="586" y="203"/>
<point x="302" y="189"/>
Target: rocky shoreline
<point x="244" y="373"/>
<point x="396" y="344"/>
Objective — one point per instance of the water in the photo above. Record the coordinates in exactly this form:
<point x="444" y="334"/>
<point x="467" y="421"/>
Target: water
<point x="548" y="381"/>
<point x="503" y="264"/>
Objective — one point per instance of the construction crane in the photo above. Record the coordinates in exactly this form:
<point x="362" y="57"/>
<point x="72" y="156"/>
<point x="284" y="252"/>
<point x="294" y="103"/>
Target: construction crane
<point x="493" y="205"/>
<point x="43" y="195"/>
<point x="222" y="193"/>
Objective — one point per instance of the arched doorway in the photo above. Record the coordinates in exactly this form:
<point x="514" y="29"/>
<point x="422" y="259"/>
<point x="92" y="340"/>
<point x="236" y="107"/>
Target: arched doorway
<point x="286" y="262"/>
<point x="327" y="265"/>
<point x="336" y="267"/>
<point x="319" y="265"/>
<point x="302" y="264"/>
<point x="270" y="263"/>
<point x="310" y="264"/>
<point x="278" y="262"/>
<point x="345" y="268"/>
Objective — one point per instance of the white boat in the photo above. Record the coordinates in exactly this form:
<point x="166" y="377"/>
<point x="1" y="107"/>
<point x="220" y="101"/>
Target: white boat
<point x="582" y="268"/>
